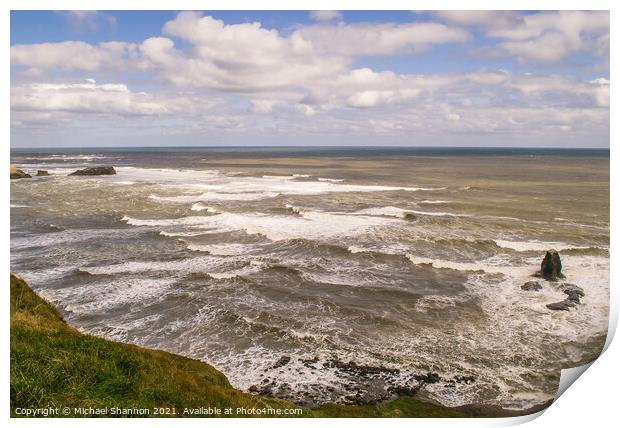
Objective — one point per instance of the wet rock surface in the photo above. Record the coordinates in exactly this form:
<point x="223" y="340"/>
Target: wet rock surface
<point x="564" y="305"/>
<point x="42" y="173"/>
<point x="532" y="286"/>
<point x="574" y="293"/>
<point x="95" y="170"/>
<point x="551" y="266"/>
<point x="17" y="173"/>
<point x="284" y="360"/>
<point x="357" y="383"/>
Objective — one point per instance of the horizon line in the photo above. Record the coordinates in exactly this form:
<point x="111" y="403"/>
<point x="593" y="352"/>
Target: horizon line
<point x="317" y="147"/>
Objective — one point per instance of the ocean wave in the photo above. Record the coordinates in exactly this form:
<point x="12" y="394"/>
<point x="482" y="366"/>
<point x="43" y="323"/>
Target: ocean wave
<point x="63" y="237"/>
<point x="213" y="266"/>
<point x="182" y="221"/>
<point x="71" y="157"/>
<point x="405" y="213"/>
<point x="309" y="225"/>
<point x="433" y="202"/>
<point x="201" y="207"/>
<point x="331" y="180"/>
<point x="280" y="177"/>
<point x="226" y="187"/>
<point x="104" y="296"/>
<point x="216" y="196"/>
<point x="446" y="264"/>
<point x="540" y="246"/>
<point x="220" y="249"/>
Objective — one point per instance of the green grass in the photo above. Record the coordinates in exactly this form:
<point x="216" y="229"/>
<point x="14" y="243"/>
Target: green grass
<point x="55" y="366"/>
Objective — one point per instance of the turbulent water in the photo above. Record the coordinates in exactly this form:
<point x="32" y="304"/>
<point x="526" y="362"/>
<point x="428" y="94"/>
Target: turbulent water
<point x="406" y="259"/>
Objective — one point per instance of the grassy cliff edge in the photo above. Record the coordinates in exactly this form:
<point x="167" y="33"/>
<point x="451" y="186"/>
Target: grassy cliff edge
<point x="54" y="366"/>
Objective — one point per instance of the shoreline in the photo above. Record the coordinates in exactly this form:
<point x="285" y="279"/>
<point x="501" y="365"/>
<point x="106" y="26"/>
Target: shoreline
<point x="40" y="336"/>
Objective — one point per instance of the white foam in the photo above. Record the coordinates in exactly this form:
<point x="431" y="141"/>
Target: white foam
<point x="72" y="157"/>
<point x="182" y="221"/>
<point x="216" y="196"/>
<point x="210" y="265"/>
<point x="331" y="180"/>
<point x="229" y="187"/>
<point x="432" y="202"/>
<point x="280" y="177"/>
<point x="402" y="213"/>
<point x="445" y="264"/>
<point x="101" y="297"/>
<point x="295" y="209"/>
<point x="384" y="211"/>
<point x="309" y="225"/>
<point x="201" y="207"/>
<point x="65" y="237"/>
<point x="537" y="245"/>
<point x="220" y="249"/>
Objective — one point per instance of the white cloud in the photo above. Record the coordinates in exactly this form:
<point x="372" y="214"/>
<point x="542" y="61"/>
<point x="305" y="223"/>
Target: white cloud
<point x="479" y="18"/>
<point x="74" y="55"/>
<point x="325" y="15"/>
<point x="92" y="98"/>
<point x="84" y="98"/>
<point x="543" y="37"/>
<point x="89" y="20"/>
<point x="240" y="57"/>
<point x="309" y="82"/>
<point x="366" y="39"/>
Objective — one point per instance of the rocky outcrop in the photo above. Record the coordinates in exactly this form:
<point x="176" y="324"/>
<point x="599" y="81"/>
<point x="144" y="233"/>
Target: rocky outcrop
<point x="95" y="170"/>
<point x="564" y="305"/>
<point x="42" y="173"/>
<point x="284" y="360"/>
<point x="574" y="293"/>
<point x="18" y="173"/>
<point x="531" y="286"/>
<point x="551" y="266"/>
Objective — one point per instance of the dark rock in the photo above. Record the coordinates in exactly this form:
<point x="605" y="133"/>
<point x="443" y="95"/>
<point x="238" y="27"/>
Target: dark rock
<point x="551" y="266"/>
<point x="564" y="305"/>
<point x="17" y="173"/>
<point x="95" y="170"/>
<point x="309" y="363"/>
<point x="464" y="379"/>
<point x="284" y="360"/>
<point x="428" y="378"/>
<point x="253" y="388"/>
<point x="404" y="391"/>
<point x="409" y="216"/>
<point x="531" y="286"/>
<point x="573" y="291"/>
<point x="359" y="370"/>
<point x="42" y="173"/>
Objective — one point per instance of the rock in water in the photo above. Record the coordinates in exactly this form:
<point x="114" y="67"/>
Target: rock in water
<point x="531" y="286"/>
<point x="551" y="266"/>
<point x="42" y="173"/>
<point x="95" y="170"/>
<point x="564" y="305"/>
<point x="18" y="173"/>
<point x="284" y="360"/>
<point x="574" y="292"/>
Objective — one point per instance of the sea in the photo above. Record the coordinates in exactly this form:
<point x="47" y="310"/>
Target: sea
<point x="328" y="274"/>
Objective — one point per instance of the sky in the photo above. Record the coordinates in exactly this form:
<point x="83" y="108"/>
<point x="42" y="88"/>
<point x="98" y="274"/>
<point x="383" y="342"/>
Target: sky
<point x="309" y="78"/>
